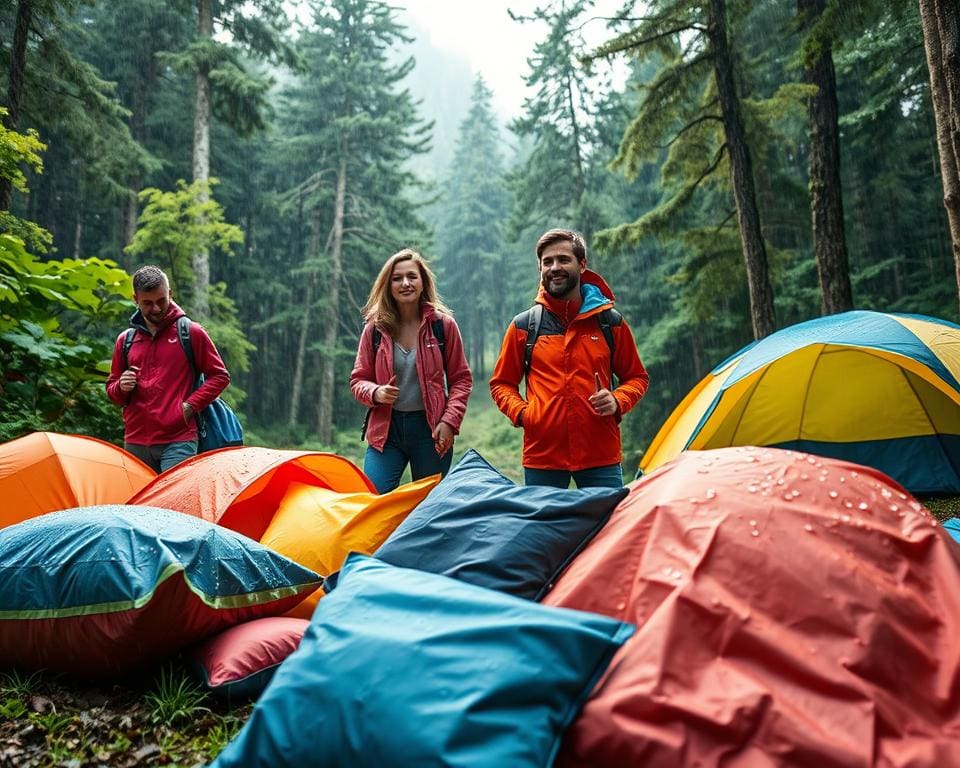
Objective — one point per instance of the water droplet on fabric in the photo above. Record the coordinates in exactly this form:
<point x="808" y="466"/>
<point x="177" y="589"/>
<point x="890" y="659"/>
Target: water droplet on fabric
<point x="833" y="494"/>
<point x="808" y="528"/>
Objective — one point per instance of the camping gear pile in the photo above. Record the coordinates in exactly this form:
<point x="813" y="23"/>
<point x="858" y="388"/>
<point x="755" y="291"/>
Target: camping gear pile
<point x="742" y="605"/>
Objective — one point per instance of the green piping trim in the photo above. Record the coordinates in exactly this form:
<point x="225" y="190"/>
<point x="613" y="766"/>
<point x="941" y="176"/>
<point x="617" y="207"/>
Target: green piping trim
<point x="219" y="603"/>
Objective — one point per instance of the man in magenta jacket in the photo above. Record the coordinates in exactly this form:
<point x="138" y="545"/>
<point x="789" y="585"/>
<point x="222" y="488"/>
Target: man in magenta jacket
<point x="153" y="381"/>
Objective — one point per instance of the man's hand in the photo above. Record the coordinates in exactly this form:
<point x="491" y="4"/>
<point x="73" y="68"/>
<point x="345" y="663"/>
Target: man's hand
<point x="187" y="412"/>
<point x="602" y="401"/>
<point x="386" y="394"/>
<point x="128" y="379"/>
<point x="442" y="438"/>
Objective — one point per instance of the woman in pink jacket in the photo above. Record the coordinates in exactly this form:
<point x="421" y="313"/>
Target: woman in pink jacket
<point x="412" y="374"/>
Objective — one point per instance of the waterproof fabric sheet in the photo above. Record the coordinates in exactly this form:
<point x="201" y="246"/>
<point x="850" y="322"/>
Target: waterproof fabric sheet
<point x="99" y="591"/>
<point x="405" y="668"/>
<point x="47" y="471"/>
<point x="481" y="527"/>
<point x="791" y="611"/>
<point x="875" y="388"/>
<point x="240" y="661"/>
<point x="241" y="488"/>
<point x="318" y="528"/>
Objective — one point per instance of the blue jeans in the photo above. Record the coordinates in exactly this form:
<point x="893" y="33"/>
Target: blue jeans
<point x="163" y="455"/>
<point x="610" y="476"/>
<point x="409" y="440"/>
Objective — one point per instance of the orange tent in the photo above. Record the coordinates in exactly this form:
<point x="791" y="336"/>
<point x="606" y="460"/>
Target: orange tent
<point x="790" y="610"/>
<point x="47" y="471"/>
<point x="241" y="488"/>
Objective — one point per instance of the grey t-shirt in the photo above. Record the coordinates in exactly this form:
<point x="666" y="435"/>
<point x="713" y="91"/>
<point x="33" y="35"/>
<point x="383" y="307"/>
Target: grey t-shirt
<point x="405" y="369"/>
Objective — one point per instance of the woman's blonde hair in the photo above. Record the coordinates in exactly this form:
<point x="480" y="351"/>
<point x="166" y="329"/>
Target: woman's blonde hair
<point x="381" y="308"/>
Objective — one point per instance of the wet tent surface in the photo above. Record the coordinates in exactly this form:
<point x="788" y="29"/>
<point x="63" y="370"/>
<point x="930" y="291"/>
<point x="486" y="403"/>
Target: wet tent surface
<point x="241" y="488"/>
<point x="790" y="610"/>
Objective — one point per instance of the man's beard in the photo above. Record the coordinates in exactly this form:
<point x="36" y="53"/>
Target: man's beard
<point x="558" y="291"/>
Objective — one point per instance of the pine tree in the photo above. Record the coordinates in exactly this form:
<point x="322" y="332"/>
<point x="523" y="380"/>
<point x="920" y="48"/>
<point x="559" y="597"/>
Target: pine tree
<point x="469" y="242"/>
<point x="692" y="96"/>
<point x="353" y="129"/>
<point x="225" y="86"/>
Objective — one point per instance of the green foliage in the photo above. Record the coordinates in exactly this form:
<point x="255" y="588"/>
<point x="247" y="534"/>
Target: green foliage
<point x="175" y="699"/>
<point x="52" y="366"/>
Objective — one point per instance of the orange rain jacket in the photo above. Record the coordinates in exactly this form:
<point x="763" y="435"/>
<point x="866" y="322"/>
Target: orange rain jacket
<point x="560" y="428"/>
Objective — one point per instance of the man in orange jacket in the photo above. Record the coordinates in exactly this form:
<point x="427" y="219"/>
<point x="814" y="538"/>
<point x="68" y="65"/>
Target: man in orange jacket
<point x="569" y="345"/>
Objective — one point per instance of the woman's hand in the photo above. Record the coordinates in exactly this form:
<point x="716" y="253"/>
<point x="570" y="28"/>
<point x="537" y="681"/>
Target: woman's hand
<point x="386" y="394"/>
<point x="442" y="438"/>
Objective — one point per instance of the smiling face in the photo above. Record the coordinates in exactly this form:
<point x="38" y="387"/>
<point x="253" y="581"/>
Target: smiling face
<point x="406" y="283"/>
<point x="560" y="271"/>
<point x="154" y="304"/>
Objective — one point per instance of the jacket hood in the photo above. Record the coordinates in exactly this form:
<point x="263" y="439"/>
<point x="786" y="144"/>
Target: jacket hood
<point x="173" y="314"/>
<point x="594" y="293"/>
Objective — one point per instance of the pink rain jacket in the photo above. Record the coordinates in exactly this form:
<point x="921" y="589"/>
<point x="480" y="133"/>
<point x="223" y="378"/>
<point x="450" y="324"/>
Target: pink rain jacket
<point x="442" y="403"/>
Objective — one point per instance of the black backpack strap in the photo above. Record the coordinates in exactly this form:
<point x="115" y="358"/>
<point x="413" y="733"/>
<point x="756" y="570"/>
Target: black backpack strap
<point x="608" y="319"/>
<point x="531" y="318"/>
<point x="127" y="343"/>
<point x="183" y="333"/>
<point x="376" y="336"/>
<point x="440" y="335"/>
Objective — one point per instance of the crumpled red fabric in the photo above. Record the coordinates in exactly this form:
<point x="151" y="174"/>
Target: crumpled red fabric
<point x="792" y="610"/>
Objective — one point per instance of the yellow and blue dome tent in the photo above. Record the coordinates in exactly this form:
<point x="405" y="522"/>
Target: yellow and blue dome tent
<point x="875" y="388"/>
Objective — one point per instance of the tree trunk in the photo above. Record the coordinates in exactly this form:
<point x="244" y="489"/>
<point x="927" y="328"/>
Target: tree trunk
<point x="741" y="169"/>
<point x="305" y="326"/>
<point x="332" y="328"/>
<point x="826" y="196"/>
<point x="18" y="62"/>
<point x="933" y="14"/>
<point x="201" y="160"/>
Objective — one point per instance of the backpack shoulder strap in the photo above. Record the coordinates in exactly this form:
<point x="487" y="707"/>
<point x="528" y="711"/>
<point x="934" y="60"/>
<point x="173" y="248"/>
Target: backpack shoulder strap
<point x="375" y="339"/>
<point x="532" y="318"/>
<point x="608" y="319"/>
<point x="183" y="332"/>
<point x="127" y="343"/>
<point x="439" y="334"/>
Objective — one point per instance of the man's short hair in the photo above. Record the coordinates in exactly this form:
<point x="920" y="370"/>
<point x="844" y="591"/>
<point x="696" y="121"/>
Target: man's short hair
<point x="577" y="243"/>
<point x="149" y="278"/>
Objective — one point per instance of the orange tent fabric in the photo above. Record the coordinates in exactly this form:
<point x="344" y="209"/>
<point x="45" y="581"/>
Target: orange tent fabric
<point x="241" y="488"/>
<point x="791" y="610"/>
<point x="46" y="471"/>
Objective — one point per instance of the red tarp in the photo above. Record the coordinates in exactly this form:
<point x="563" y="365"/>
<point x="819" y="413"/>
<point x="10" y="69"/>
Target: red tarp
<point x="791" y="610"/>
<point x="241" y="488"/>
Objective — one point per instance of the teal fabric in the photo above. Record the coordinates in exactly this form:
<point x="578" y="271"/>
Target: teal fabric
<point x="402" y="667"/>
<point x="116" y="555"/>
<point x="952" y="526"/>
<point x="481" y="527"/>
<point x="859" y="328"/>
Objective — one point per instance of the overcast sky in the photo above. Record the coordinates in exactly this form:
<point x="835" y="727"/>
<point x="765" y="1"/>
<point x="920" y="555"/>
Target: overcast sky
<point x="482" y="34"/>
<point x="485" y="37"/>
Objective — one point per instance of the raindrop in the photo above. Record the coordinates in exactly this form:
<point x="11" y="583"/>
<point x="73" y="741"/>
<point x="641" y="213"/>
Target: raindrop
<point x="754" y="533"/>
<point x="894" y="507"/>
<point x="863" y="505"/>
<point x="753" y="523"/>
<point x="804" y="476"/>
<point x="833" y="494"/>
<point x="711" y="494"/>
<point x="788" y="496"/>
<point x="808" y="528"/>
<point x="621" y="606"/>
<point x="845" y="518"/>
<point x="848" y="504"/>
<point x="795" y="493"/>
<point x="752" y="489"/>
<point x="843" y="479"/>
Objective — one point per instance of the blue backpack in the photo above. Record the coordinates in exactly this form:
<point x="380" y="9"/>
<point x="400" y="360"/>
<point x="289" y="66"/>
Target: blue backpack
<point x="217" y="424"/>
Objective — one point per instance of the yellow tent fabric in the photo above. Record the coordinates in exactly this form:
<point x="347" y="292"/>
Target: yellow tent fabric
<point x="870" y="387"/>
<point x="318" y="528"/>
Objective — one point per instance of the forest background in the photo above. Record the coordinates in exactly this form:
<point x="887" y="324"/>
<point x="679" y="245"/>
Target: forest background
<point x="759" y="164"/>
